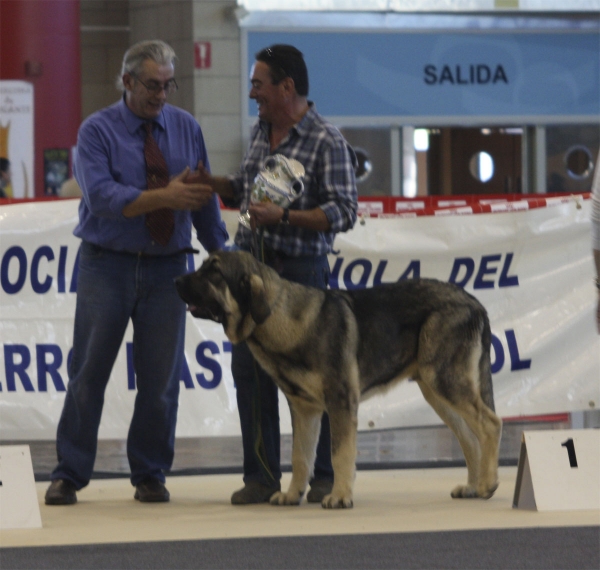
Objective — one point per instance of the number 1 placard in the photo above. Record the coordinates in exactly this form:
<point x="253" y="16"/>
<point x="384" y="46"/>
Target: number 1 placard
<point x="559" y="470"/>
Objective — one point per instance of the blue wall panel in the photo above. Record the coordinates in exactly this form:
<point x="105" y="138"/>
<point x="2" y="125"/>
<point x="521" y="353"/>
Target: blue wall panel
<point x="447" y="74"/>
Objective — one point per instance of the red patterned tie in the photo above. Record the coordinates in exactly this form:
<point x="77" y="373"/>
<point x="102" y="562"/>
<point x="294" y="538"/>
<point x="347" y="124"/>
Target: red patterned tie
<point x="161" y="222"/>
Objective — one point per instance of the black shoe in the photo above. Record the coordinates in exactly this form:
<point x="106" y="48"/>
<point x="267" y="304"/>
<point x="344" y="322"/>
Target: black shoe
<point x="61" y="492"/>
<point x="254" y="492"/>
<point x="151" y="491"/>
<point x="318" y="489"/>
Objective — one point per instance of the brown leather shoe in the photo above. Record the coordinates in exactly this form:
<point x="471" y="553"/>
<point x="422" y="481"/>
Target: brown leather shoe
<point x="254" y="492"/>
<point x="61" y="492"/>
<point x="318" y="489"/>
<point x="151" y="491"/>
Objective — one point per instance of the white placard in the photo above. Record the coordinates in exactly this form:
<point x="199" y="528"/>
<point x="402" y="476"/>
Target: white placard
<point x="19" y="506"/>
<point x="559" y="470"/>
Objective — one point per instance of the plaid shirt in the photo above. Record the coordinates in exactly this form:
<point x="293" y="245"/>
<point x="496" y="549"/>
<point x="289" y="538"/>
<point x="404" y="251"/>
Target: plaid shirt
<point x="329" y="183"/>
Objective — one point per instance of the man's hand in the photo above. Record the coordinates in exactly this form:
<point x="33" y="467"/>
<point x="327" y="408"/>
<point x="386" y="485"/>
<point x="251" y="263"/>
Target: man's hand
<point x="265" y="213"/>
<point x="200" y="176"/>
<point x="179" y="194"/>
<point x="185" y="192"/>
<point x="218" y="184"/>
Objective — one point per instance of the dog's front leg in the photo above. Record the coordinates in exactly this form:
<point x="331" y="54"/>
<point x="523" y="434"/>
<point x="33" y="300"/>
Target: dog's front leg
<point x="306" y="425"/>
<point x="344" y="423"/>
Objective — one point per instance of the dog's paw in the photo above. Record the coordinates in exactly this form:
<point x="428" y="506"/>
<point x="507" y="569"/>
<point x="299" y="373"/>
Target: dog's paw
<point x="488" y="492"/>
<point x="280" y="498"/>
<point x="464" y="492"/>
<point x="470" y="492"/>
<point x="333" y="501"/>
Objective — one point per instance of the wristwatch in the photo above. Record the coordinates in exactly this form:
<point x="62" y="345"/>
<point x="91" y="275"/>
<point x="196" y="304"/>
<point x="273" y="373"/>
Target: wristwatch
<point x="285" y="219"/>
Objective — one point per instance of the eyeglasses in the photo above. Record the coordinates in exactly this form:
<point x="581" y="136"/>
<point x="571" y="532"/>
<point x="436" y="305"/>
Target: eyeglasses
<point x="154" y="88"/>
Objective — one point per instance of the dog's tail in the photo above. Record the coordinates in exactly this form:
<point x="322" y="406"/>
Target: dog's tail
<point x="485" y="366"/>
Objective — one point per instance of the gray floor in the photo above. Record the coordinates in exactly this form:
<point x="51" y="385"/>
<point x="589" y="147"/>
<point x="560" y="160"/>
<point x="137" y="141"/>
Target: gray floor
<point x="412" y="447"/>
<point x="359" y="543"/>
<point x="535" y="548"/>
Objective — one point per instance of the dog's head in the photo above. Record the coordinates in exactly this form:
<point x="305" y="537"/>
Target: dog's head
<point x="228" y="289"/>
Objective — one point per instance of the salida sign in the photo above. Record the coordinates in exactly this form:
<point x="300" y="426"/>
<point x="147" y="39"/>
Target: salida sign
<point x="476" y="74"/>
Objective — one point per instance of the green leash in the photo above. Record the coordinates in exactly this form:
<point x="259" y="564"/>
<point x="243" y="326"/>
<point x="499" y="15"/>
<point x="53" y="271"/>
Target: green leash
<point x="259" y="442"/>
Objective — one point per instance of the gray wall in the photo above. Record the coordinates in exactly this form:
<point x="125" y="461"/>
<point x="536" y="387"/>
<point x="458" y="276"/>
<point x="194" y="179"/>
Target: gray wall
<point x="109" y="27"/>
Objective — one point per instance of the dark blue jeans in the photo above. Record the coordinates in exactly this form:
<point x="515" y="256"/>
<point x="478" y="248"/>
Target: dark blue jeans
<point x="112" y="289"/>
<point x="257" y="396"/>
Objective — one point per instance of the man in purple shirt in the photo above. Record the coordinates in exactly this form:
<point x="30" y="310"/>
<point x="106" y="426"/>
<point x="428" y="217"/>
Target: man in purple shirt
<point x="126" y="274"/>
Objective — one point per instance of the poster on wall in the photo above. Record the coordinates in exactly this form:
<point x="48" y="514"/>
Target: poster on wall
<point x="17" y="136"/>
<point x="56" y="169"/>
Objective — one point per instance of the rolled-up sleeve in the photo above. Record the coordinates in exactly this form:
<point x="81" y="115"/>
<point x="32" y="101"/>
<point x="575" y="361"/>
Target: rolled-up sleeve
<point x="210" y="228"/>
<point x="338" y="192"/>
<point x="103" y="196"/>
<point x="237" y="186"/>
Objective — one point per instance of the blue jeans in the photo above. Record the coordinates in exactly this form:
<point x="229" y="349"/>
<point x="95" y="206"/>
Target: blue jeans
<point x="257" y="396"/>
<point x="113" y="288"/>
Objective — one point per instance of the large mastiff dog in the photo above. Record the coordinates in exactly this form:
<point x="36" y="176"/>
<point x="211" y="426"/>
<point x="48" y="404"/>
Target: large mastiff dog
<point x="327" y="350"/>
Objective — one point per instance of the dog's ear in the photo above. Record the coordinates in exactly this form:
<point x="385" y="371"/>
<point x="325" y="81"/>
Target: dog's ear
<point x="259" y="306"/>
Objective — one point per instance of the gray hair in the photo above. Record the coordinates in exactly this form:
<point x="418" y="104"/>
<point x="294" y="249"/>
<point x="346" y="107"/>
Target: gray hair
<point x="156" y="50"/>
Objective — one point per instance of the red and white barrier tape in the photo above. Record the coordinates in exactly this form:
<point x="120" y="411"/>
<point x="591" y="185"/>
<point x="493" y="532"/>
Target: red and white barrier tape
<point x="462" y="205"/>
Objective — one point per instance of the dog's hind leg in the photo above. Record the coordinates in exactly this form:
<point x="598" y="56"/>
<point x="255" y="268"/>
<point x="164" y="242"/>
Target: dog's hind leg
<point x="454" y="368"/>
<point x="466" y="438"/>
<point x="306" y="426"/>
<point x="476" y="407"/>
<point x="487" y="427"/>
<point x="477" y="428"/>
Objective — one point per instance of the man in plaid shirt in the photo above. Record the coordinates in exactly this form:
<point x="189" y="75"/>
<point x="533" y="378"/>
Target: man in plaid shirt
<point x="295" y="241"/>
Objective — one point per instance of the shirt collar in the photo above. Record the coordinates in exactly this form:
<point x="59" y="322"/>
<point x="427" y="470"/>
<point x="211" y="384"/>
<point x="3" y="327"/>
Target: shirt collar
<point x="302" y="127"/>
<point x="133" y="122"/>
<point x="305" y="123"/>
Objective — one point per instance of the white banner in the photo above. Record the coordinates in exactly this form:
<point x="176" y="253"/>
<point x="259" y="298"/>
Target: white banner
<point x="532" y="269"/>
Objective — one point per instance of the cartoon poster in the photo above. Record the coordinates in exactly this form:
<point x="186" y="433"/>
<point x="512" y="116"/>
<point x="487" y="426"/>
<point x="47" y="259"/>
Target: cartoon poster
<point x="17" y="136"/>
<point x="56" y="169"/>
